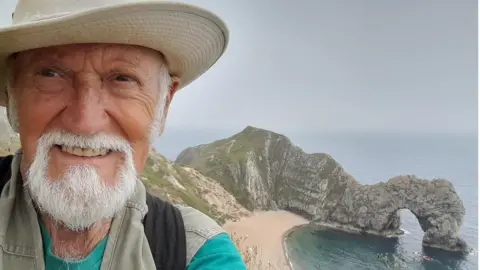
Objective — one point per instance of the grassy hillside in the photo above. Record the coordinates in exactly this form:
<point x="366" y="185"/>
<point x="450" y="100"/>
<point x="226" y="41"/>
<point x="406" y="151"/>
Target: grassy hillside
<point x="187" y="186"/>
<point x="228" y="160"/>
<point x="264" y="169"/>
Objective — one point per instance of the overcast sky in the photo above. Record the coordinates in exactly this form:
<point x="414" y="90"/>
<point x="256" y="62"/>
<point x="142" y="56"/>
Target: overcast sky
<point x="313" y="66"/>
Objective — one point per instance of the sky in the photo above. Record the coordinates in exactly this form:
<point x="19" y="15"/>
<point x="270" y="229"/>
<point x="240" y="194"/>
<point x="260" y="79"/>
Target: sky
<point x="363" y="66"/>
<point x="335" y="66"/>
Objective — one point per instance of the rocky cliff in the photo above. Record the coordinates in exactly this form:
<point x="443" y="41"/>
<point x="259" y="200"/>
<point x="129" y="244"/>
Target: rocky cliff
<point x="183" y="185"/>
<point x="264" y="170"/>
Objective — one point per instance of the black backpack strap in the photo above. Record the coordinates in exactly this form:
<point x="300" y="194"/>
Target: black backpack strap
<point x="165" y="232"/>
<point x="5" y="170"/>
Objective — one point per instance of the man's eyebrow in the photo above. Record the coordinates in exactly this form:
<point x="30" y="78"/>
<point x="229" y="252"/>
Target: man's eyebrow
<point x="132" y="62"/>
<point x="133" y="70"/>
<point x="120" y="65"/>
<point x="52" y="63"/>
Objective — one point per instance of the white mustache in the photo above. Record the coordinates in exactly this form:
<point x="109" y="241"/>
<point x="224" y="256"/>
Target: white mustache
<point x="96" y="141"/>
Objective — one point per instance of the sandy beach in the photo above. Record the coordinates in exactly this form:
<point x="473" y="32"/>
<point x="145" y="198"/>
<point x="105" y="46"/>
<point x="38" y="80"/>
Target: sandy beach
<point x="265" y="232"/>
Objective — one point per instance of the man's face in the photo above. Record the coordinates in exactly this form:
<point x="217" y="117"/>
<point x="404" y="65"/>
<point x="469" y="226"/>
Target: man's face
<point x="85" y="116"/>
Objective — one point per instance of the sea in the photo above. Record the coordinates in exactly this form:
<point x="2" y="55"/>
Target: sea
<point x="374" y="158"/>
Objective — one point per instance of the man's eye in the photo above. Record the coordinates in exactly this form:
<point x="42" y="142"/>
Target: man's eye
<point x="48" y="72"/>
<point x="123" y="78"/>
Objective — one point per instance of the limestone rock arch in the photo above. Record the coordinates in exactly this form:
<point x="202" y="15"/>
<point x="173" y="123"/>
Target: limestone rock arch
<point x="375" y="209"/>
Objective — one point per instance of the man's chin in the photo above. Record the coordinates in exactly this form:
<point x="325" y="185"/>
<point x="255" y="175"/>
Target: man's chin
<point x="79" y="224"/>
<point x="79" y="199"/>
<point x="75" y="218"/>
<point x="74" y="226"/>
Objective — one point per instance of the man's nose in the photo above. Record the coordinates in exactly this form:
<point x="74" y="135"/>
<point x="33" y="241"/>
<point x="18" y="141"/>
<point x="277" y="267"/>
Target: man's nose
<point x="85" y="113"/>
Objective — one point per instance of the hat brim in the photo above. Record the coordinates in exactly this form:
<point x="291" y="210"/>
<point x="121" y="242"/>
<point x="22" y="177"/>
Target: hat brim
<point x="191" y="39"/>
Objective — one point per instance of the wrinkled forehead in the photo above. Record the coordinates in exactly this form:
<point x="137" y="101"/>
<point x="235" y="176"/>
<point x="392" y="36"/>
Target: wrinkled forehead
<point x="77" y="54"/>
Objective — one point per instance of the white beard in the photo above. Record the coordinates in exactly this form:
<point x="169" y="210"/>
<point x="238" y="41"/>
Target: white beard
<point x="80" y="198"/>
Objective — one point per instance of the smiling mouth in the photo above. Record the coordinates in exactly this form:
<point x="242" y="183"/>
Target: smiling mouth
<point x="84" y="152"/>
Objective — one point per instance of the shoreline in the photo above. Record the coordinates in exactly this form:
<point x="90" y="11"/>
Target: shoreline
<point x="329" y="226"/>
<point x="284" y="242"/>
<point x="355" y="230"/>
<point x="261" y="238"/>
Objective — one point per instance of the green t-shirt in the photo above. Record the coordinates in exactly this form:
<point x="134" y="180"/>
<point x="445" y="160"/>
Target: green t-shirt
<point x="217" y="253"/>
<point x="91" y="262"/>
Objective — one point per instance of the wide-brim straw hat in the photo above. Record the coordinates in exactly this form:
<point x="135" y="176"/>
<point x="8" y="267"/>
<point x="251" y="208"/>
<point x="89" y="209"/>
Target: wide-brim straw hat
<point x="192" y="39"/>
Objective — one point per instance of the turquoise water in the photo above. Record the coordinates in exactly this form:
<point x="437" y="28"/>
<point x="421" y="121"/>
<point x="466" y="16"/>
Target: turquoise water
<point x="373" y="159"/>
<point x="313" y="248"/>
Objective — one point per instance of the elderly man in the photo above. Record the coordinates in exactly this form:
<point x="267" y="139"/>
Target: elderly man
<point x="88" y="86"/>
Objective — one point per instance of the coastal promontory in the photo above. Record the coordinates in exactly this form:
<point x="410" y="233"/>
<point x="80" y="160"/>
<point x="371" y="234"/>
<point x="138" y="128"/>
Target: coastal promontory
<point x="264" y="170"/>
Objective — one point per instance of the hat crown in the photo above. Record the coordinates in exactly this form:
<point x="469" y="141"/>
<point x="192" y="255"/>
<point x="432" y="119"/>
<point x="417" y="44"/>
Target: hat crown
<point x="37" y="10"/>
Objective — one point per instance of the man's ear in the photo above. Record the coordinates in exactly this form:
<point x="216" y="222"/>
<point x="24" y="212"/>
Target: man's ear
<point x="174" y="86"/>
<point x="12" y="118"/>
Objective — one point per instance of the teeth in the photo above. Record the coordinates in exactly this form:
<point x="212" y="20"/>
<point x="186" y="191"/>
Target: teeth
<point x="77" y="151"/>
<point x="84" y="152"/>
<point x="88" y="152"/>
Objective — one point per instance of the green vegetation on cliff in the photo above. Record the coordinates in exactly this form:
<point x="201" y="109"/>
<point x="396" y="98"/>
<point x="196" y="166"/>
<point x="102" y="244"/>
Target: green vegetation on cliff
<point x="222" y="159"/>
<point x="177" y="184"/>
<point x="262" y="168"/>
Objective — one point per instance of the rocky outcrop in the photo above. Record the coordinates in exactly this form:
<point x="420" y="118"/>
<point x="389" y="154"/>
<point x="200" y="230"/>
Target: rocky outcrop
<point x="374" y="209"/>
<point x="187" y="186"/>
<point x="264" y="170"/>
